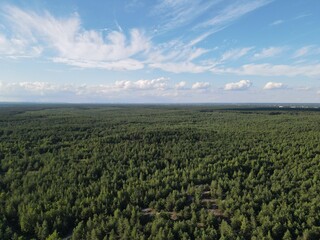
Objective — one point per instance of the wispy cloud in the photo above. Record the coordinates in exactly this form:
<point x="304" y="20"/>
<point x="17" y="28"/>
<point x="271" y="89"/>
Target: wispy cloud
<point x="75" y="45"/>
<point x="114" y="50"/>
<point x="181" y="67"/>
<point x="302" y="51"/>
<point x="241" y="85"/>
<point x="176" y="56"/>
<point x="131" y="5"/>
<point x="281" y="21"/>
<point x="235" y="54"/>
<point x="307" y="51"/>
<point x="227" y="16"/>
<point x="177" y="13"/>
<point x="119" y="65"/>
<point x="311" y="70"/>
<point x="277" y="22"/>
<point x="269" y="52"/>
<point x="233" y="12"/>
<point x="303" y="88"/>
<point x="303" y="15"/>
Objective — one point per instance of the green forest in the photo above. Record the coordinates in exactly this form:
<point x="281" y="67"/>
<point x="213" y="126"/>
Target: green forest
<point x="159" y="172"/>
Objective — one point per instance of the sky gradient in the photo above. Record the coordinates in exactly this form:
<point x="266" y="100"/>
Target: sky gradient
<point x="160" y="51"/>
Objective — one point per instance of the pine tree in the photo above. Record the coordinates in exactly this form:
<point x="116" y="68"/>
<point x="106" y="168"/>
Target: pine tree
<point x="287" y="236"/>
<point x="54" y="236"/>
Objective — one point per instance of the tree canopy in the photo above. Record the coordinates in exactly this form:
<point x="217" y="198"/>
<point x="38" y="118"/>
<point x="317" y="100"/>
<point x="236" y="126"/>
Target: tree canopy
<point x="159" y="172"/>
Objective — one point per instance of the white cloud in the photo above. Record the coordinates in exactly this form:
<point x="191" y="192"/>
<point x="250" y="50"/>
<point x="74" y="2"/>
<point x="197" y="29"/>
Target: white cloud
<point x="200" y="85"/>
<point x="180" y="85"/>
<point x="159" y="83"/>
<point x="269" y="52"/>
<point x="137" y="91"/>
<point x="143" y="90"/>
<point x="37" y="86"/>
<point x="235" y="54"/>
<point x="66" y="41"/>
<point x="125" y="85"/>
<point x="114" y="50"/>
<point x="25" y="88"/>
<point x="312" y="70"/>
<point x="75" y="45"/>
<point x="241" y="85"/>
<point x="56" y="92"/>
<point x="17" y="48"/>
<point x="274" y="85"/>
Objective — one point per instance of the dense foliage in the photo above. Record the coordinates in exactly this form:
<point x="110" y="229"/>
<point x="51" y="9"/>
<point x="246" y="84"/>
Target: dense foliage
<point x="156" y="172"/>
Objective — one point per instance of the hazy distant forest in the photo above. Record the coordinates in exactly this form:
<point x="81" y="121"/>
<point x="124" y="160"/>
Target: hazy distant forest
<point x="159" y="172"/>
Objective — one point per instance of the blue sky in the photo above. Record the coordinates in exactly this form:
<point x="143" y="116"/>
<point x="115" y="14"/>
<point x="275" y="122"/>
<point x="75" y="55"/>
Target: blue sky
<point x="160" y="51"/>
